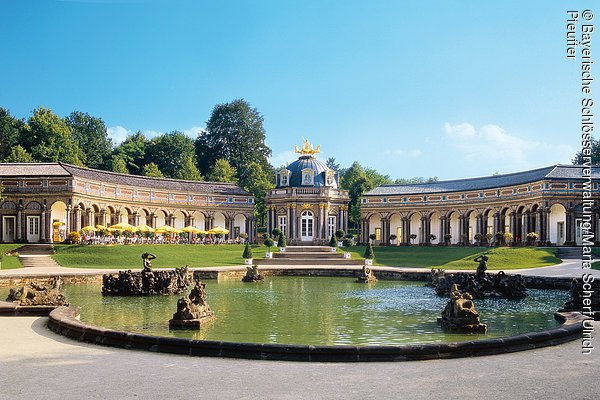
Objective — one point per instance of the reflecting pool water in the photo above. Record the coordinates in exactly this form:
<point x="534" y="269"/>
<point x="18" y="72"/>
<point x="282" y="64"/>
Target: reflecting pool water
<point x="317" y="310"/>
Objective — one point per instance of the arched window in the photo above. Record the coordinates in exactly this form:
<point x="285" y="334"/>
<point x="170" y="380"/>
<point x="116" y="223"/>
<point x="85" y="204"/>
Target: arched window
<point x="306" y="225"/>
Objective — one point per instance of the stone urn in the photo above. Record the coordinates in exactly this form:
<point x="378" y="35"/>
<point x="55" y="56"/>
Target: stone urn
<point x="282" y="249"/>
<point x="347" y="255"/>
<point x="368" y="261"/>
<point x="247" y="261"/>
<point x="269" y="254"/>
<point x="333" y="249"/>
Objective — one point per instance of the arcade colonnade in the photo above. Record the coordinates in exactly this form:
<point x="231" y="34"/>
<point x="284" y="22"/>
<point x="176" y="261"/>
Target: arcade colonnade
<point x="43" y="201"/>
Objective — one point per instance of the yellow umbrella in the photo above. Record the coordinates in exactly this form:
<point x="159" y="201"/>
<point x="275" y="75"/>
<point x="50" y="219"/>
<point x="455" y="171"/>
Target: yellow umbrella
<point x="58" y="223"/>
<point x="123" y="226"/>
<point x="218" y="229"/>
<point x="201" y="232"/>
<point x="166" y="229"/>
<point x="191" y="229"/>
<point x="144" y="228"/>
<point x="100" y="227"/>
<point x="88" y="228"/>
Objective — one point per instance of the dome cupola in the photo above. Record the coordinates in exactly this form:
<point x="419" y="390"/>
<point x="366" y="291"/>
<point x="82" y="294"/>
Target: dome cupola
<point x="307" y="171"/>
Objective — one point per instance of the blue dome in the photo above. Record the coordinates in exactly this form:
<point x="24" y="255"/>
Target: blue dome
<point x="306" y="163"/>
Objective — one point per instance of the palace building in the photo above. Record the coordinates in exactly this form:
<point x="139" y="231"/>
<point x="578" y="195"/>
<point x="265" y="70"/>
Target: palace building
<point x="547" y="201"/>
<point x="41" y="201"/>
<point x="307" y="204"/>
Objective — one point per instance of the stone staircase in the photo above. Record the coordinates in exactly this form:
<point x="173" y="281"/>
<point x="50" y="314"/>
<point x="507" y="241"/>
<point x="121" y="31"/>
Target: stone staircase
<point x="37" y="255"/>
<point x="308" y="255"/>
<point x="569" y="253"/>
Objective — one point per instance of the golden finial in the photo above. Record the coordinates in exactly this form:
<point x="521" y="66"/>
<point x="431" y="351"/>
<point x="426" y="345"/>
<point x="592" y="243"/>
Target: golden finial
<point x="307" y="149"/>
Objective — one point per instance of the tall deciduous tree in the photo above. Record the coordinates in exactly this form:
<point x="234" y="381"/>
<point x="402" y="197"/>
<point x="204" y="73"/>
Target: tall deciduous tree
<point x="234" y="132"/>
<point x="118" y="165"/>
<point x="331" y="164"/>
<point x="258" y="181"/>
<point x="222" y="171"/>
<point x="49" y="138"/>
<point x="152" y="170"/>
<point x="169" y="152"/>
<point x="92" y="137"/>
<point x="189" y="171"/>
<point x="356" y="181"/>
<point x="19" y="155"/>
<point x="11" y="130"/>
<point x="133" y="152"/>
<point x="593" y="153"/>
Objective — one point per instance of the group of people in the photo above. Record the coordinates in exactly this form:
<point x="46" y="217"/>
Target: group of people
<point x="88" y="238"/>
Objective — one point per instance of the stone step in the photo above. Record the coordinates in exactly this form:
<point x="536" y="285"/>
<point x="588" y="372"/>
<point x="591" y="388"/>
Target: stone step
<point x="307" y="249"/>
<point x="306" y="261"/>
<point x="316" y="255"/>
<point x="36" y="249"/>
<point x="37" y="261"/>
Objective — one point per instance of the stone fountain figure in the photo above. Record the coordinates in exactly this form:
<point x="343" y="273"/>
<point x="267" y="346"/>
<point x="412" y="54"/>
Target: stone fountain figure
<point x="192" y="311"/>
<point x="366" y="275"/>
<point x="460" y="314"/>
<point x="36" y="294"/>
<point x="252" y="274"/>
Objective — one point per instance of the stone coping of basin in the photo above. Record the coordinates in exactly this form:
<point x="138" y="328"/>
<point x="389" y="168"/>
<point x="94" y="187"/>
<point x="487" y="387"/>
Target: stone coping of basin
<point x="65" y="321"/>
<point x="11" y="309"/>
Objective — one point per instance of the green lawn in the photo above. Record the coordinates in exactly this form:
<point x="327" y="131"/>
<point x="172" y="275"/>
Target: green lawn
<point x="10" y="262"/>
<point x="460" y="257"/>
<point x="596" y="265"/>
<point x="167" y="255"/>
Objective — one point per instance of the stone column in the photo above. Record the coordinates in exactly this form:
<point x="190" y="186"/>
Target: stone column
<point x="43" y="225"/>
<point x="68" y="223"/>
<point x="461" y="229"/>
<point x="546" y="226"/>
<point x="424" y="239"/>
<point x="405" y="231"/>
<point x="293" y="233"/>
<point x="48" y="227"/>
<point x="570" y="223"/>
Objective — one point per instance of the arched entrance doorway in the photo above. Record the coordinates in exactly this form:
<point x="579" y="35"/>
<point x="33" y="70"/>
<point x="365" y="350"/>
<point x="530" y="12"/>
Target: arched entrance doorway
<point x="306" y="226"/>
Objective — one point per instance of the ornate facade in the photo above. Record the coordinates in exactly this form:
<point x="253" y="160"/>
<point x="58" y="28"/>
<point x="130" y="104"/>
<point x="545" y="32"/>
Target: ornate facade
<point x="307" y="204"/>
<point x="547" y="201"/>
<point x="42" y="197"/>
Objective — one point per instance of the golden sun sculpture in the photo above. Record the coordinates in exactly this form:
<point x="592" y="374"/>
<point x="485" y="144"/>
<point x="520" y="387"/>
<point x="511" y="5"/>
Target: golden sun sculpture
<point x="307" y="149"/>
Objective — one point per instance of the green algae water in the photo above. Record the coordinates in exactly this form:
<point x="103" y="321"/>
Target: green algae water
<point x="318" y="311"/>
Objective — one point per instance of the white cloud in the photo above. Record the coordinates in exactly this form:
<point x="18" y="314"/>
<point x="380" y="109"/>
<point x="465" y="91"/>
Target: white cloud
<point x="283" y="158"/>
<point x="406" y="153"/>
<point x="491" y="146"/>
<point x="118" y="133"/>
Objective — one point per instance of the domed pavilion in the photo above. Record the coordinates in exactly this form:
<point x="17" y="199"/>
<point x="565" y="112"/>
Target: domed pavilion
<point x="307" y="204"/>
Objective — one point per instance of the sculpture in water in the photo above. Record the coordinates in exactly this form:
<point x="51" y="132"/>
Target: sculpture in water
<point x="192" y="311"/>
<point x="584" y="299"/>
<point x="252" y="275"/>
<point x="366" y="275"/>
<point x="146" y="282"/>
<point x="481" y="284"/>
<point x="36" y="294"/>
<point x="460" y="314"/>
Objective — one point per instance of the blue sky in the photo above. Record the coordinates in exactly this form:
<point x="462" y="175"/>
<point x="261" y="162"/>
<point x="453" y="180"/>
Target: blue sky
<point x="449" y="88"/>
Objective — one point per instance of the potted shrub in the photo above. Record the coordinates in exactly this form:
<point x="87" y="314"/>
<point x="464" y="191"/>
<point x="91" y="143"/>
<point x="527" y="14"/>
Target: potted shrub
<point x="489" y="238"/>
<point x="478" y="237"/>
<point x="73" y="237"/>
<point x="464" y="238"/>
<point x="244" y="236"/>
<point x="447" y="239"/>
<point x="247" y="255"/>
<point x="347" y="243"/>
<point x="269" y="243"/>
<point x="281" y="243"/>
<point x="373" y="236"/>
<point x="412" y="237"/>
<point x="276" y="232"/>
<point x="393" y="239"/>
<point x="369" y="254"/>
<point x="432" y="237"/>
<point x="333" y="244"/>
<point x="339" y="235"/>
<point x="532" y="237"/>
<point x="508" y="237"/>
<point x="499" y="238"/>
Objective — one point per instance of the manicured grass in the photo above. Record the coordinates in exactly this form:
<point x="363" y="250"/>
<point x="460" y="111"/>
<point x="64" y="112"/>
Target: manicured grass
<point x="500" y="258"/>
<point x="596" y="265"/>
<point x="10" y="262"/>
<point x="167" y="255"/>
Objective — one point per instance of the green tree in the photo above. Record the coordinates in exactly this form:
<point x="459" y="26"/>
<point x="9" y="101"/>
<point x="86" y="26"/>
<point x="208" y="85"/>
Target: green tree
<point x="594" y="154"/>
<point x="133" y="152"/>
<point x="222" y="171"/>
<point x="331" y="164"/>
<point x="119" y="165"/>
<point x="189" y="171"/>
<point x="50" y="139"/>
<point x="92" y="138"/>
<point x="258" y="181"/>
<point x="356" y="181"/>
<point x="234" y="132"/>
<point x="247" y="254"/>
<point x="19" y="155"/>
<point x="152" y="170"/>
<point x="11" y="130"/>
<point x="376" y="179"/>
<point x="169" y="152"/>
